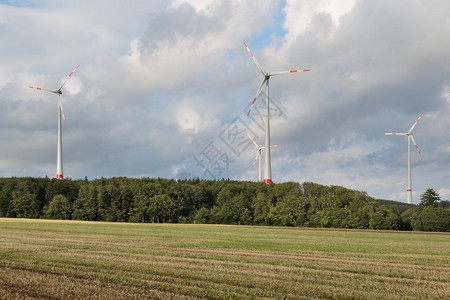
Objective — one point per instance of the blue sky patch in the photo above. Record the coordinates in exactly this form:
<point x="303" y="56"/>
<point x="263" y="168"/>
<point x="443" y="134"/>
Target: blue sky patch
<point x="19" y="3"/>
<point x="275" y="29"/>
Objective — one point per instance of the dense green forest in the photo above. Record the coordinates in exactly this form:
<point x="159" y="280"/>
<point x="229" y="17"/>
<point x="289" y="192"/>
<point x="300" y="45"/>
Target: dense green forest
<point x="159" y="200"/>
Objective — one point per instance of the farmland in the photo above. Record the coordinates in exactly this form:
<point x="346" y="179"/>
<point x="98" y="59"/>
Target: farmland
<point x="98" y="260"/>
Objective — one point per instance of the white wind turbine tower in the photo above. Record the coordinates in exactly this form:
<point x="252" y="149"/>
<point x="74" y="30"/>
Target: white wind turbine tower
<point x="410" y="138"/>
<point x="267" y="160"/>
<point x="59" y="165"/>
<point x="258" y="155"/>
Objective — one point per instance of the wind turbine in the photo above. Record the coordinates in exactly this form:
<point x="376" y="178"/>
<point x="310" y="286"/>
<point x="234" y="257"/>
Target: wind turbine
<point x="267" y="160"/>
<point x="410" y="138"/>
<point x="59" y="166"/>
<point x="258" y="155"/>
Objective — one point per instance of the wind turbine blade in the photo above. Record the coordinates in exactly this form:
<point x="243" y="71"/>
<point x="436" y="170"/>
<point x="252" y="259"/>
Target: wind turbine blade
<point x="287" y="72"/>
<point x="415" y="144"/>
<point x="41" y="89"/>
<point x="273" y="146"/>
<point x="256" y="157"/>
<point x="257" y="94"/>
<point x="71" y="73"/>
<point x="61" y="107"/>
<point x="415" y="123"/>
<point x="254" y="59"/>
<point x="395" y="133"/>
<point x="257" y="146"/>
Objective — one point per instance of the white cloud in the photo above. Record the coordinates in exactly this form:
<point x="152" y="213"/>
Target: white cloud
<point x="300" y="14"/>
<point x="444" y="193"/>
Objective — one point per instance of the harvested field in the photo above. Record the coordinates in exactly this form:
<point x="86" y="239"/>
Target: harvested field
<point x="72" y="260"/>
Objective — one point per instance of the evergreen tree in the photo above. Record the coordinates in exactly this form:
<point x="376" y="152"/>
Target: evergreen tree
<point x="429" y="198"/>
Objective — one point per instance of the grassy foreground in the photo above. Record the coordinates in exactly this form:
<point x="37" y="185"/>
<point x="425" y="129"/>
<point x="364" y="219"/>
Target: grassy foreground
<point x="72" y="260"/>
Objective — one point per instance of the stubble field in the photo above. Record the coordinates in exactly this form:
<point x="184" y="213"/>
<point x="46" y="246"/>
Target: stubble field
<point x="87" y="260"/>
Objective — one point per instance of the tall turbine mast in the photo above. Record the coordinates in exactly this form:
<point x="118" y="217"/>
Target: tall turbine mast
<point x="59" y="160"/>
<point x="267" y="158"/>
<point x="258" y="155"/>
<point x="410" y="138"/>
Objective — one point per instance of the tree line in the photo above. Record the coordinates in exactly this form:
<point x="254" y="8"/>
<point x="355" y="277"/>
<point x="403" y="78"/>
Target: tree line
<point x="158" y="200"/>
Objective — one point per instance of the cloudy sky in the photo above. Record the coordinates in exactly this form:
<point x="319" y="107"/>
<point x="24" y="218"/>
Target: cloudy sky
<point x="163" y="88"/>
